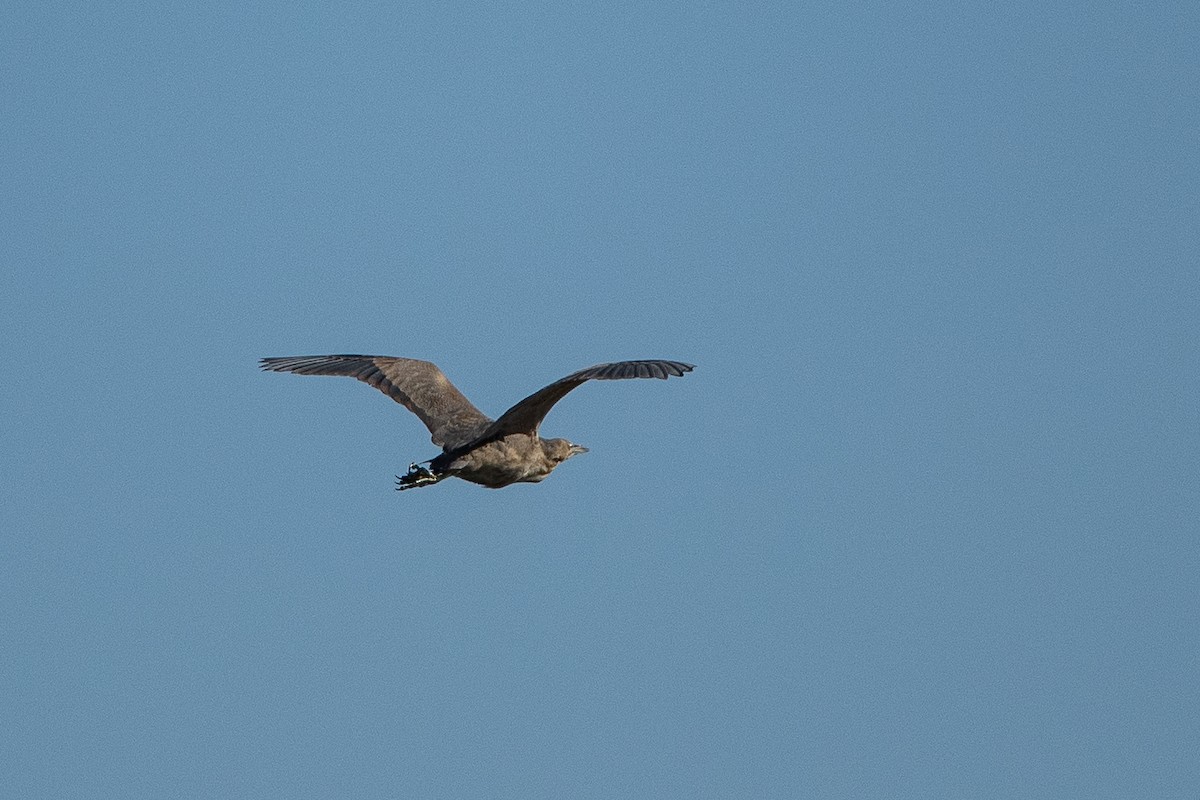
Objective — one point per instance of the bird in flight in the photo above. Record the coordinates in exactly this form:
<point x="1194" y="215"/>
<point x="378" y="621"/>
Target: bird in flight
<point x="476" y="448"/>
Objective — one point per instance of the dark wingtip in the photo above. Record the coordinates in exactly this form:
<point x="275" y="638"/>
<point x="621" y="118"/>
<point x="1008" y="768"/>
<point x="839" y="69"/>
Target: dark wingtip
<point x="675" y="369"/>
<point x="644" y="368"/>
<point x="277" y="364"/>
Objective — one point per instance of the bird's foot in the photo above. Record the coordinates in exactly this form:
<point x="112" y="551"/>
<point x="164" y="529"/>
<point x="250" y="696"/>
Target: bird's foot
<point x="416" y="476"/>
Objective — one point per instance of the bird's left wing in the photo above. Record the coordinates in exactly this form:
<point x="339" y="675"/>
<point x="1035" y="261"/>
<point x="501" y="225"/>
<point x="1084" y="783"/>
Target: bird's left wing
<point x="419" y="386"/>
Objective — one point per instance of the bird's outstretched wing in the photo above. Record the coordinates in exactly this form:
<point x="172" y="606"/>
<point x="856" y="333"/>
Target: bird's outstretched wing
<point x="419" y="386"/>
<point x="527" y="415"/>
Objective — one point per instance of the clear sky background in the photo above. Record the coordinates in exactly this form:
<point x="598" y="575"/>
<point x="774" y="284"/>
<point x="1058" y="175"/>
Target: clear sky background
<point x="922" y="523"/>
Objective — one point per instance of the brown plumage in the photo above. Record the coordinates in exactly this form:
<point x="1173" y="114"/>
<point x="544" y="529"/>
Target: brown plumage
<point x="492" y="453"/>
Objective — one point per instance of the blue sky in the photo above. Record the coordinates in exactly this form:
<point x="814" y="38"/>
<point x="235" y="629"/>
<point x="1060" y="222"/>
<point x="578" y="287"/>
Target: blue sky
<point x="922" y="523"/>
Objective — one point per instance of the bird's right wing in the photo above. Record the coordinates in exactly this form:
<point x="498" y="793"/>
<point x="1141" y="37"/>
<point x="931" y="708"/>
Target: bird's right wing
<point x="527" y="415"/>
<point x="419" y="386"/>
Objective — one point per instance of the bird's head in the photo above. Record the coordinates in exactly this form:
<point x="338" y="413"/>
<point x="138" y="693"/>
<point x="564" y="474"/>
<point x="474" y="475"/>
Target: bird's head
<point x="559" y="450"/>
